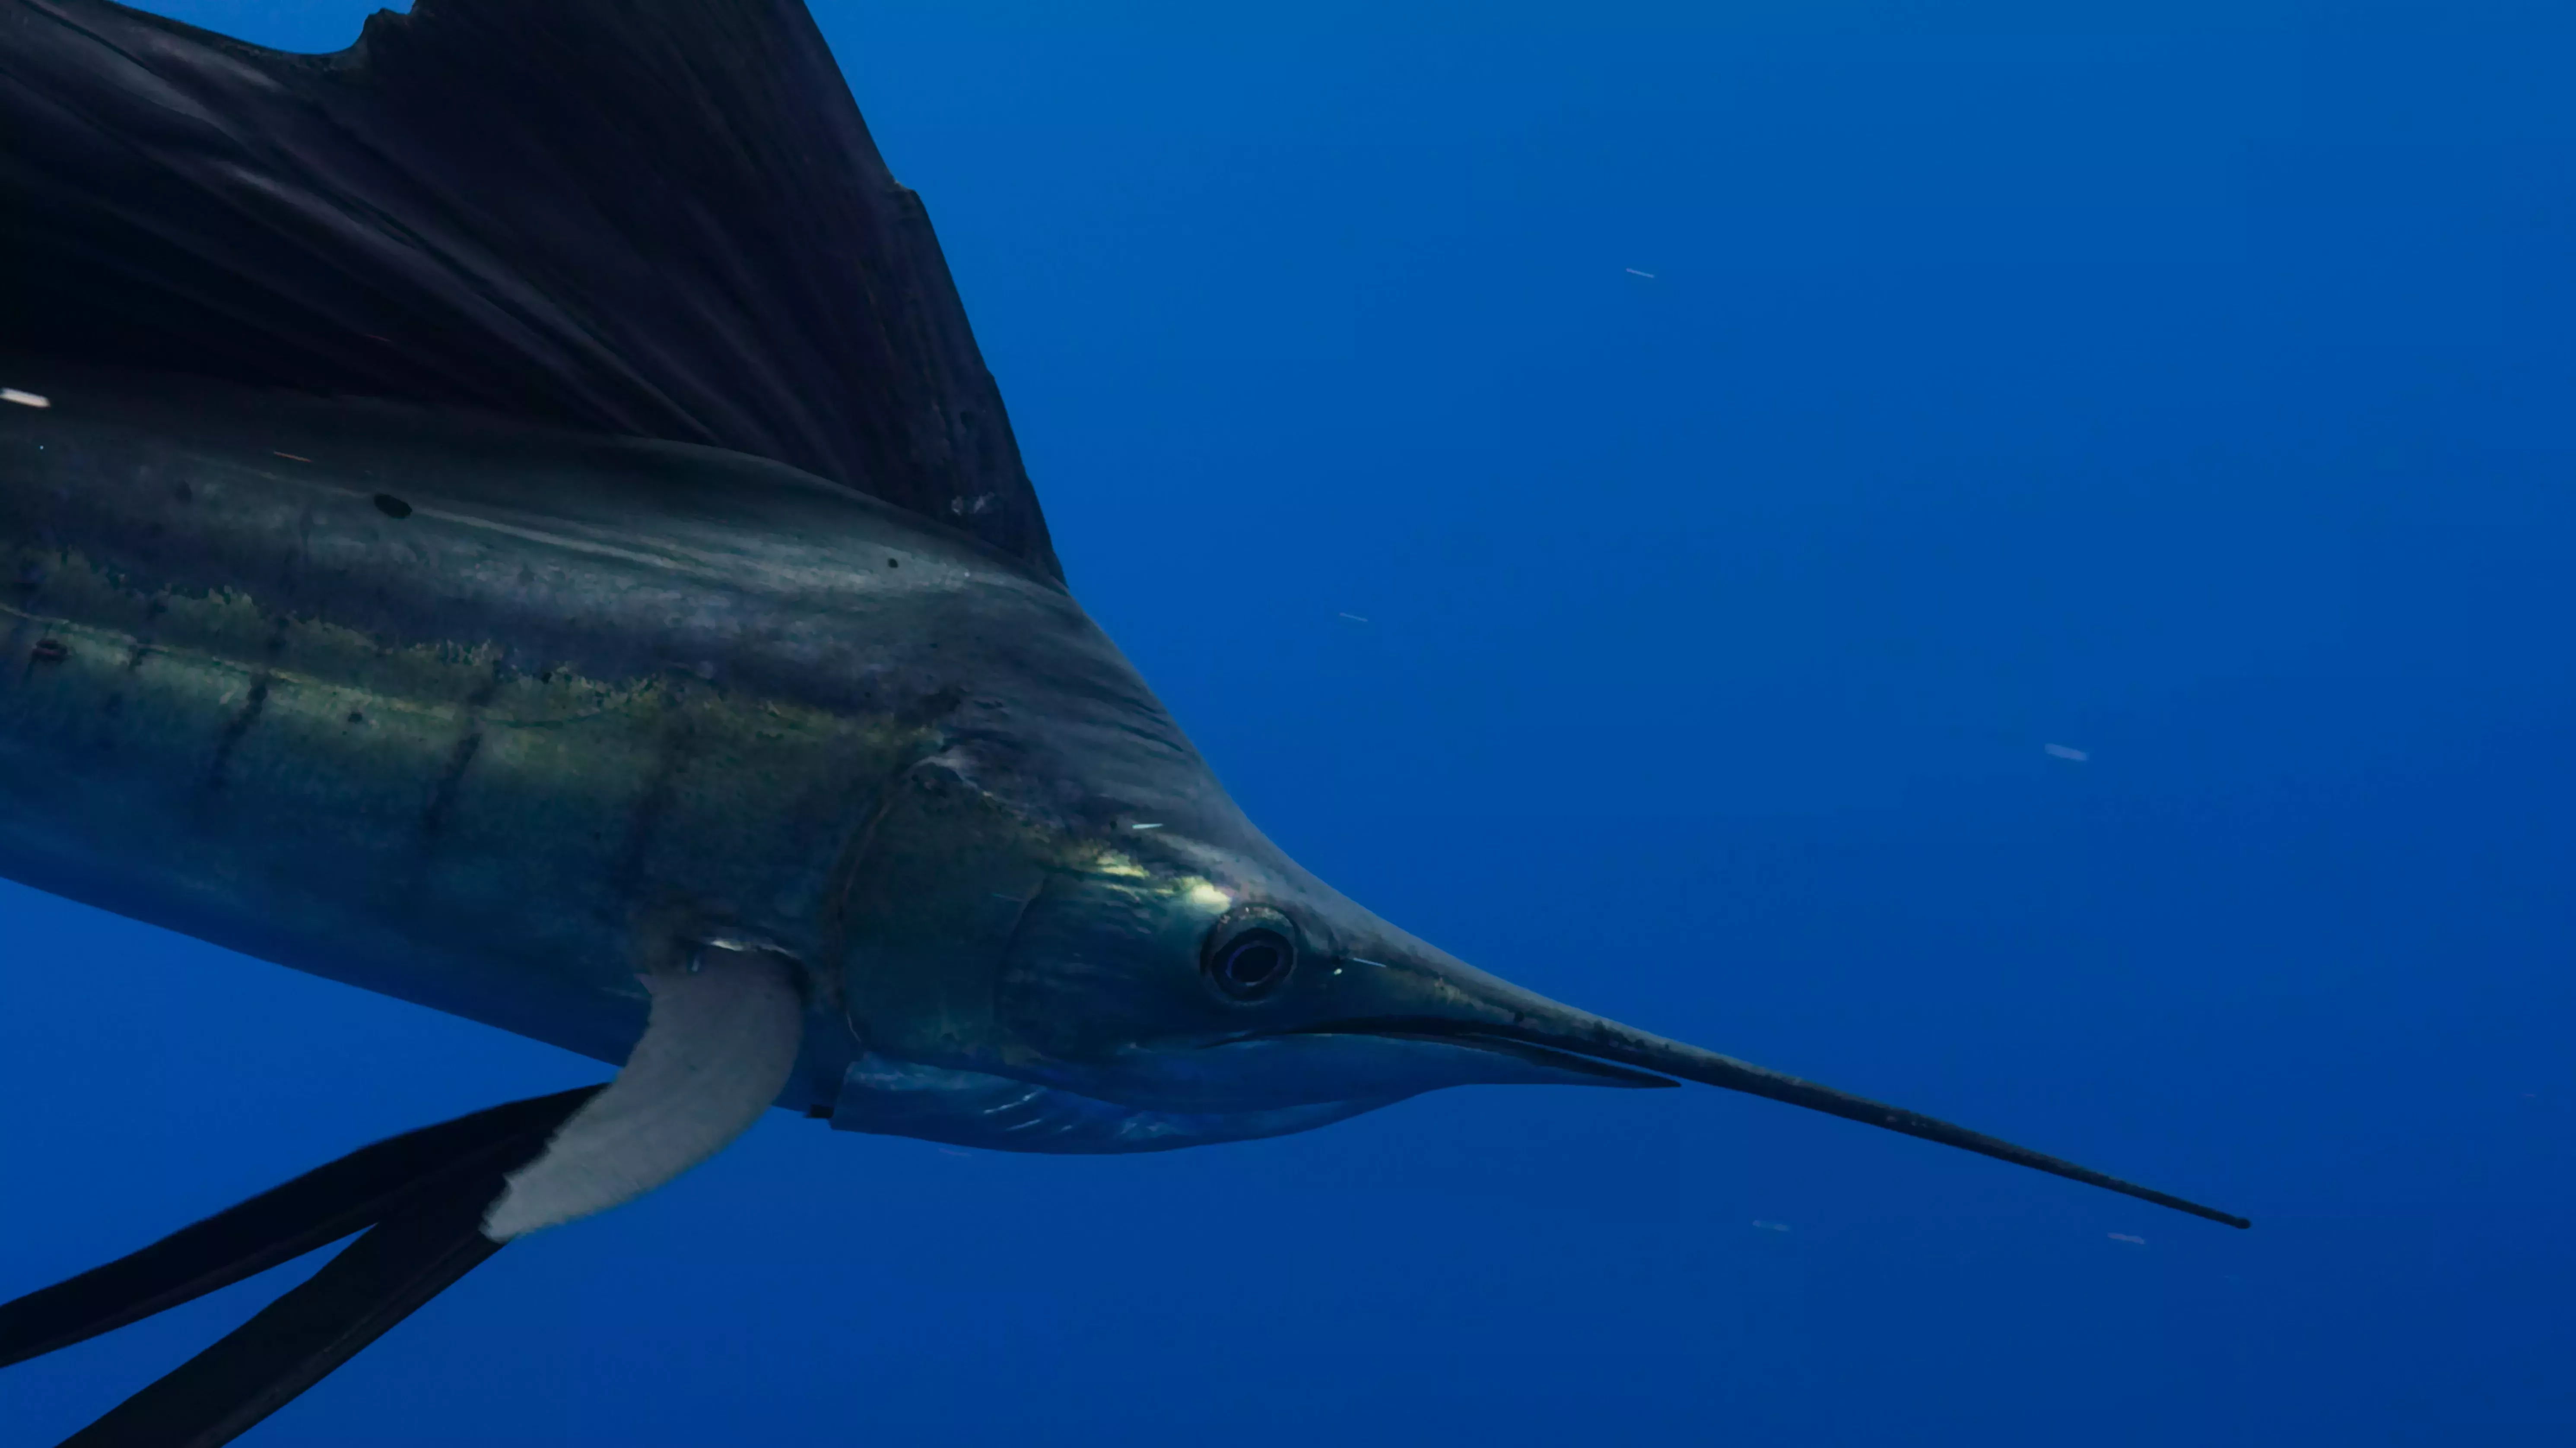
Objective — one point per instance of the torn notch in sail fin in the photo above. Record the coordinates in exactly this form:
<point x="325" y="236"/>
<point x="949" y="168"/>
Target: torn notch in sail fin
<point x="660" y="218"/>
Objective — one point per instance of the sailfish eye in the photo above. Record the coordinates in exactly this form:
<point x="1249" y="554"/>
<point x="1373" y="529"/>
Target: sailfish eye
<point x="1250" y="954"/>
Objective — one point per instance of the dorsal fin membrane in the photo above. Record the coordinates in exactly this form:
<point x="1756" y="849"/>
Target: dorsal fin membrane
<point x="661" y="218"/>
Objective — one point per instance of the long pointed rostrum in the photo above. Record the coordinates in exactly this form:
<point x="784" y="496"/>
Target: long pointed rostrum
<point x="1710" y="1068"/>
<point x="1581" y="1031"/>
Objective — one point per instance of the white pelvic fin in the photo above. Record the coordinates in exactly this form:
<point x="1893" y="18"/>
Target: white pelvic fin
<point x="717" y="1052"/>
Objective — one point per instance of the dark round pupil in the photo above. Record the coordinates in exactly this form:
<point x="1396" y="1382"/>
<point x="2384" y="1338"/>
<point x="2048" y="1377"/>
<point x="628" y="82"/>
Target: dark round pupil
<point x="1256" y="960"/>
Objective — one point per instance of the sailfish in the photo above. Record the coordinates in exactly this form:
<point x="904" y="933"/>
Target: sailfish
<point x="510" y="515"/>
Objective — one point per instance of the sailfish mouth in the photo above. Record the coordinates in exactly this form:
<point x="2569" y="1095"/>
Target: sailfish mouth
<point x="1617" y="1055"/>
<point x="1520" y="1046"/>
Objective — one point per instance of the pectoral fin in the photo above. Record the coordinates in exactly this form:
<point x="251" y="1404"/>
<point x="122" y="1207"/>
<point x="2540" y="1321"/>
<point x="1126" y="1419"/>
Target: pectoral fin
<point x="718" y="1050"/>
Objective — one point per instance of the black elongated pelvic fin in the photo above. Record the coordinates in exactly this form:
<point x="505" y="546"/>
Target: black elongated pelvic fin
<point x="296" y="1341"/>
<point x="423" y="1195"/>
<point x="314" y="1210"/>
<point x="661" y="218"/>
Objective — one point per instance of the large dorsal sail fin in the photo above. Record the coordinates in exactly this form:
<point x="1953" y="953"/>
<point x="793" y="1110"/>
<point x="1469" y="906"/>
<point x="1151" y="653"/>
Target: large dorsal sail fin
<point x="662" y="218"/>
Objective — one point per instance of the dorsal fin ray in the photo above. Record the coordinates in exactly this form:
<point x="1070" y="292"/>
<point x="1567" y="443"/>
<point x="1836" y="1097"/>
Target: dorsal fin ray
<point x="661" y="218"/>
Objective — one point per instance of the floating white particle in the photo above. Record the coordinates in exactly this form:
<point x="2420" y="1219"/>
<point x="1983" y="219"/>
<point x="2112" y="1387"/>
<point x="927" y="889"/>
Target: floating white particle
<point x="1154" y="826"/>
<point x="1770" y="1226"/>
<point x="2125" y="1237"/>
<point x="24" y="399"/>
<point x="1355" y="618"/>
<point x="1650" y="276"/>
<point x="291" y="457"/>
<point x="2064" y="751"/>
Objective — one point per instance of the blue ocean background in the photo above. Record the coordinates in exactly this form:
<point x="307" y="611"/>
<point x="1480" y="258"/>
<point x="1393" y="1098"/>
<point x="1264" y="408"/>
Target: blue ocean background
<point x="1655" y="498"/>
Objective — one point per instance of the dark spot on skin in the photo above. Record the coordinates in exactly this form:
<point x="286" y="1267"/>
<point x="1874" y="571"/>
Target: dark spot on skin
<point x="357" y="718"/>
<point x="391" y="506"/>
<point x="892" y="563"/>
<point x="50" y="651"/>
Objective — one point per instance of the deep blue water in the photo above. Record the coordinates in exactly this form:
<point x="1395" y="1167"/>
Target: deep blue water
<point x="2193" y="386"/>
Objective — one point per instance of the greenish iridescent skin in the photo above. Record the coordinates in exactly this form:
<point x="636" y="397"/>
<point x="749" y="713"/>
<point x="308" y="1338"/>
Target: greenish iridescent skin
<point x="485" y="756"/>
<point x="587" y="702"/>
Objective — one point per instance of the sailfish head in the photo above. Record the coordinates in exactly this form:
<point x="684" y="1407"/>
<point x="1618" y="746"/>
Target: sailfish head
<point x="1164" y="976"/>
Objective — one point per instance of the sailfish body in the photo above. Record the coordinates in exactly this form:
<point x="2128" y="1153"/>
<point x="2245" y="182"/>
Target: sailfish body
<point x="510" y="516"/>
<point x="496" y="717"/>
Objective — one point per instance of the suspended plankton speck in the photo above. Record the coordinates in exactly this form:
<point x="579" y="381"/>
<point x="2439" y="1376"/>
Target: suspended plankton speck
<point x="2125" y="1237"/>
<point x="1770" y="1226"/>
<point x="1154" y="825"/>
<point x="25" y="399"/>
<point x="2064" y="751"/>
<point x="1632" y="271"/>
<point x="1355" y="618"/>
